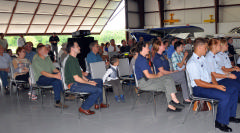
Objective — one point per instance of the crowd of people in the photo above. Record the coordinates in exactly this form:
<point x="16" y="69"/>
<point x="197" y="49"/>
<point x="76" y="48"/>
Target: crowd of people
<point x="159" y="65"/>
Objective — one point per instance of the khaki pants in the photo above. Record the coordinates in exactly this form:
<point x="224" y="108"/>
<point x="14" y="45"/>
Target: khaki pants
<point x="165" y="84"/>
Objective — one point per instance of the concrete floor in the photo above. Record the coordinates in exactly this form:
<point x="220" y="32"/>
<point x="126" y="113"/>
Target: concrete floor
<point x="32" y="117"/>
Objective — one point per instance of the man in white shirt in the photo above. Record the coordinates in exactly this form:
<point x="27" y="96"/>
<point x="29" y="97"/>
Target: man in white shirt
<point x="21" y="41"/>
<point x="112" y="47"/>
<point x="3" y="42"/>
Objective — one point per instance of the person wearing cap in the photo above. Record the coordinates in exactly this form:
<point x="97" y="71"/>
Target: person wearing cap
<point x="54" y="40"/>
<point x="29" y="52"/>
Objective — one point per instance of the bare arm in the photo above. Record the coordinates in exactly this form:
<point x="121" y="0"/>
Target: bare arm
<point x="227" y="75"/>
<point x="50" y="75"/>
<point x="83" y="80"/>
<point x="214" y="81"/>
<point x="56" y="71"/>
<point x="163" y="71"/>
<point x="151" y="76"/>
<point x="204" y="84"/>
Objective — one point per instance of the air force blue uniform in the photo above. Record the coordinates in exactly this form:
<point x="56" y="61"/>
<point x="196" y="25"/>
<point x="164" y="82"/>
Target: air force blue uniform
<point x="198" y="69"/>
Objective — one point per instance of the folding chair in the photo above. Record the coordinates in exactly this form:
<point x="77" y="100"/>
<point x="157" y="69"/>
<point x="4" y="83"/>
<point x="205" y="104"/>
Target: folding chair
<point x="154" y="93"/>
<point x="98" y="69"/>
<point x="81" y="95"/>
<point x="1" y="87"/>
<point x="33" y="83"/>
<point x="235" y="56"/>
<point x="124" y="71"/>
<point x="14" y="81"/>
<point x="194" y="98"/>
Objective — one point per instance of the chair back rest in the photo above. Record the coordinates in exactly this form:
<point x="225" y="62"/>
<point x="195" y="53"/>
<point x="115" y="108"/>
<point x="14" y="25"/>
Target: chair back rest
<point x="170" y="64"/>
<point x="32" y="80"/>
<point x="235" y="56"/>
<point x="62" y="69"/>
<point x="135" y="77"/>
<point x="87" y="66"/>
<point x="111" y="54"/>
<point x="1" y="87"/>
<point x="123" y="67"/>
<point x="189" y="83"/>
<point x="98" y="69"/>
<point x="11" y="71"/>
<point x="154" y="69"/>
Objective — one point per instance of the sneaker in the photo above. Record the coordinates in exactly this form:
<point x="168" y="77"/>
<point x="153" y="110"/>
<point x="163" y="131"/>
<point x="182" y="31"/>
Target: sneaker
<point x="122" y="98"/>
<point x="60" y="105"/>
<point x="117" y="99"/>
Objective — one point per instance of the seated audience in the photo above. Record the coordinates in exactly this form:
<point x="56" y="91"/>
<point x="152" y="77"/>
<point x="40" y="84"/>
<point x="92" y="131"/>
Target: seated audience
<point x="21" y="65"/>
<point x="171" y="50"/>
<point x="5" y="59"/>
<point x="178" y="59"/>
<point x="157" y="82"/>
<point x="29" y="53"/>
<point x="188" y="46"/>
<point x="124" y="47"/>
<point x="63" y="53"/>
<point x="112" y="47"/>
<point x="133" y="60"/>
<point x="162" y="66"/>
<point x="204" y="85"/>
<point x="46" y="74"/>
<point x="9" y="51"/>
<point x="77" y="82"/>
<point x="112" y="77"/>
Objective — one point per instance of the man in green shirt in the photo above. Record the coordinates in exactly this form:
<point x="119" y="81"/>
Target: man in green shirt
<point x="77" y="82"/>
<point x="46" y="74"/>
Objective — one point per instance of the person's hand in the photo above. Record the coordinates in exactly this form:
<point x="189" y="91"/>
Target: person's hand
<point x="232" y="76"/>
<point x="221" y="87"/>
<point x="92" y="83"/>
<point x="25" y="70"/>
<point x="159" y="74"/>
<point x="236" y="68"/>
<point x="185" y="54"/>
<point x="58" y="76"/>
<point x="85" y="74"/>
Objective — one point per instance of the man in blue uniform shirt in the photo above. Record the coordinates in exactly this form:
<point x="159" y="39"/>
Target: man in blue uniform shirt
<point x="205" y="85"/>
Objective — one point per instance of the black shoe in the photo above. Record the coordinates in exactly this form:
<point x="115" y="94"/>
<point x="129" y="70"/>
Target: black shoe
<point x="7" y="92"/>
<point x="222" y="127"/>
<point x="177" y="105"/>
<point x="176" y="110"/>
<point x="184" y="102"/>
<point x="234" y="120"/>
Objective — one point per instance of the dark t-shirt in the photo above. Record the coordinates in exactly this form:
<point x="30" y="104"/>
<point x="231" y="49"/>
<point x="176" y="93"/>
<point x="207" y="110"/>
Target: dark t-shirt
<point x="141" y="64"/>
<point x="72" y="68"/>
<point x="125" y="49"/>
<point x="54" y="39"/>
<point x="161" y="61"/>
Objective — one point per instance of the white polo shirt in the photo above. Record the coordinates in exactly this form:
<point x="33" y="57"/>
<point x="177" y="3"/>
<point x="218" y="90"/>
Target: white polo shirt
<point x="223" y="60"/>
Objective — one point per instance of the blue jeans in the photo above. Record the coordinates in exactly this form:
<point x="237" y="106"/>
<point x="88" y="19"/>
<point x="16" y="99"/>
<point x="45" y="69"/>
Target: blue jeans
<point x="94" y="91"/>
<point x="4" y="77"/>
<point x="56" y="83"/>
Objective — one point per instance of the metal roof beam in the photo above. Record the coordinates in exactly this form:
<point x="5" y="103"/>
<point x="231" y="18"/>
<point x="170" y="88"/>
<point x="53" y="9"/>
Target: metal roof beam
<point x="13" y="11"/>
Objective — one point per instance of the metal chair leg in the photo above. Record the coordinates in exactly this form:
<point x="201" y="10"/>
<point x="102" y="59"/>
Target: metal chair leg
<point x="154" y="104"/>
<point x="186" y="114"/>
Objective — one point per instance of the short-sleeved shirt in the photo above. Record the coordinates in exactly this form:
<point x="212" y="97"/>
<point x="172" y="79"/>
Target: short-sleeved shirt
<point x="223" y="60"/>
<point x="141" y="64"/>
<point x="212" y="64"/>
<point x="30" y="55"/>
<point x="124" y="49"/>
<point x="197" y="69"/>
<point x="54" y="39"/>
<point x="40" y="65"/>
<point x="72" y="68"/>
<point x="170" y="51"/>
<point x="177" y="58"/>
<point x="5" y="60"/>
<point x="91" y="57"/>
<point x="160" y="61"/>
